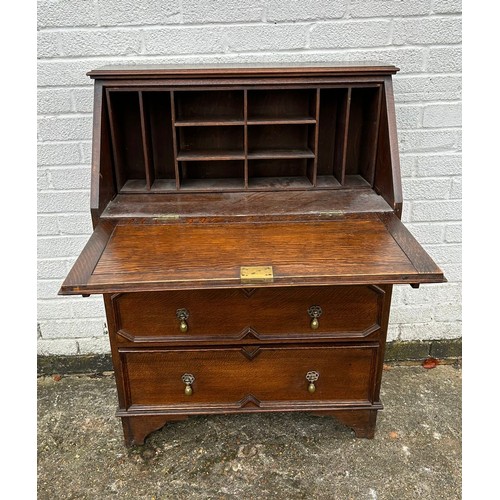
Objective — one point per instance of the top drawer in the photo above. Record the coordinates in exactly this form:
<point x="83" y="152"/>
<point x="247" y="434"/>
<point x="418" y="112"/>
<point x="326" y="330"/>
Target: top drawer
<point x="249" y="315"/>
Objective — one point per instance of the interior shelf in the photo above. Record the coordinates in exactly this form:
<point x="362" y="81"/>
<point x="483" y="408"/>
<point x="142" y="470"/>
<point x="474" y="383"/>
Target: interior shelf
<point x="296" y="182"/>
<point x="134" y="186"/>
<point x="280" y="153"/>
<point x="265" y="139"/>
<point x="356" y="181"/>
<point x="209" y="122"/>
<point x="212" y="174"/>
<point x="288" y="120"/>
<point x="226" y="184"/>
<point x="211" y="154"/>
<point x="350" y="181"/>
<point x="327" y="181"/>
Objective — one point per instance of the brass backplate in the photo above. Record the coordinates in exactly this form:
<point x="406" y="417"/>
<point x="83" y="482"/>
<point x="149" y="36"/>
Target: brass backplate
<point x="249" y="274"/>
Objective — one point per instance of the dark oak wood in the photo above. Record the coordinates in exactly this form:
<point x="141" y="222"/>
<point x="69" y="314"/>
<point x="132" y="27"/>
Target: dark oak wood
<point x="241" y="205"/>
<point x="363" y="132"/>
<point x="265" y="153"/>
<point x="245" y="137"/>
<point x="341" y="137"/>
<point x="127" y="135"/>
<point x="213" y="105"/>
<point x="139" y="257"/>
<point x="210" y="71"/>
<point x="249" y="315"/>
<point x="420" y="259"/>
<point x="208" y="154"/>
<point x="159" y="133"/>
<point x="362" y="422"/>
<point x="103" y="183"/>
<point x="387" y="176"/>
<point x="248" y="124"/>
<point x="135" y="429"/>
<point x="297" y="182"/>
<point x="174" y="141"/>
<point x="88" y="259"/>
<point x="200" y="171"/>
<point x="146" y="148"/>
<point x="259" y="376"/>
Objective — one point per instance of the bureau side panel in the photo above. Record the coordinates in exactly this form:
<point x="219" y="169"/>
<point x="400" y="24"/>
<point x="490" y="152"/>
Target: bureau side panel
<point x="118" y="367"/>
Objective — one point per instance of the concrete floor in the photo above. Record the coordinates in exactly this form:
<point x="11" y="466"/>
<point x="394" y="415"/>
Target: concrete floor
<point x="416" y="452"/>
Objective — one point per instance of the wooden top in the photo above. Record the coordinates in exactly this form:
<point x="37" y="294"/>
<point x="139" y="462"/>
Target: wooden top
<point x="355" y="249"/>
<point x="253" y="70"/>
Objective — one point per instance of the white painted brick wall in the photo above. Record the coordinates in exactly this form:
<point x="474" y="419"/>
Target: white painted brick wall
<point x="422" y="37"/>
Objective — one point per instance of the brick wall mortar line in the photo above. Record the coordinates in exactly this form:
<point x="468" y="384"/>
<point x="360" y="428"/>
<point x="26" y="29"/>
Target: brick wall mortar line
<point x="199" y="55"/>
<point x="431" y="153"/>
<point x="76" y="114"/>
<point x="220" y="24"/>
<point x="69" y="141"/>
<point x="76" y="190"/>
<point x="57" y="236"/>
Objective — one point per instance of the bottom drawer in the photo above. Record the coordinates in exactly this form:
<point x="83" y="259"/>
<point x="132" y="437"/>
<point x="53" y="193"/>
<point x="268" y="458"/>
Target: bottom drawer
<point x="238" y="376"/>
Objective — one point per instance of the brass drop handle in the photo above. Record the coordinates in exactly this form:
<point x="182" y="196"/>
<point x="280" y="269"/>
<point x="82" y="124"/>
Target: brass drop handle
<point x="182" y="316"/>
<point x="311" y="377"/>
<point x="188" y="379"/>
<point x="315" y="312"/>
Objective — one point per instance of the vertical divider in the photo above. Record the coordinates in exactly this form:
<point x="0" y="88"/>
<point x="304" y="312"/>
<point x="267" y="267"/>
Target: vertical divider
<point x="148" y="165"/>
<point x="245" y="134"/>
<point x="316" y="139"/>
<point x="373" y="146"/>
<point x="174" y="132"/>
<point x="118" y="166"/>
<point x="341" y="140"/>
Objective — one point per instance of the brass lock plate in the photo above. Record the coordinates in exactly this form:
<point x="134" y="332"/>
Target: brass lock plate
<point x="249" y="274"/>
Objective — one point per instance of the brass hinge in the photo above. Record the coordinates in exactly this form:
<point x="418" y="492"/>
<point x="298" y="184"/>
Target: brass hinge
<point x="250" y="274"/>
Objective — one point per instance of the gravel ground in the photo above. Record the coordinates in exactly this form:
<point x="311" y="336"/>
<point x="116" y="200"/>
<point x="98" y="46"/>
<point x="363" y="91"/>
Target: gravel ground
<point x="416" y="452"/>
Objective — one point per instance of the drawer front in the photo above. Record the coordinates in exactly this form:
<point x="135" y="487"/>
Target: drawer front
<point x="255" y="377"/>
<point x="259" y="314"/>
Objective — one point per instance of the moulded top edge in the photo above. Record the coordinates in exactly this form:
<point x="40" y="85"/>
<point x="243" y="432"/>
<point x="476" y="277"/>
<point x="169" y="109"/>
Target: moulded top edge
<point x="229" y="70"/>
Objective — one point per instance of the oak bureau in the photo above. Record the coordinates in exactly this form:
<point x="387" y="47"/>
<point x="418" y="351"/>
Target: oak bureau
<point x="246" y="239"/>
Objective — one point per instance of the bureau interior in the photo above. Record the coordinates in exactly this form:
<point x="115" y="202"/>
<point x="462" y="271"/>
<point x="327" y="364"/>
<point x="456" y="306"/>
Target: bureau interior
<point x="246" y="139"/>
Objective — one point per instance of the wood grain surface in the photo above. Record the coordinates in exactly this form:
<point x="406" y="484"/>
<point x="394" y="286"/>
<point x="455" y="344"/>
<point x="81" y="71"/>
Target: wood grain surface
<point x="228" y="377"/>
<point x="349" y="250"/>
<point x="249" y="315"/>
